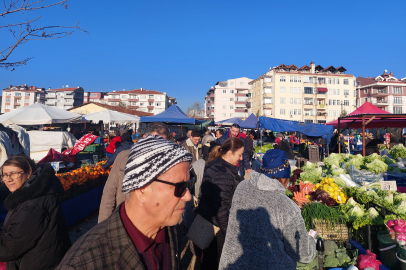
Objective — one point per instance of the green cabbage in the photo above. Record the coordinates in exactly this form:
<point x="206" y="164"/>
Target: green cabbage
<point x="397" y="151"/>
<point x="370" y="158"/>
<point x="399" y="198"/>
<point x="333" y="159"/>
<point x="388" y="160"/>
<point x="401" y="208"/>
<point x="372" y="213"/>
<point x="356" y="160"/>
<point x="355" y="212"/>
<point x="377" y="166"/>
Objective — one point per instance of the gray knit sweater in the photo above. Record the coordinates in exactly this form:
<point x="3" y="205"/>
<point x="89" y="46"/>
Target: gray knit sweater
<point x="265" y="228"/>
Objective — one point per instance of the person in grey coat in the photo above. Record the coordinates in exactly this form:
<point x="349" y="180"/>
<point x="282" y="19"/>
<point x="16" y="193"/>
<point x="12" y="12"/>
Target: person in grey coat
<point x="265" y="228"/>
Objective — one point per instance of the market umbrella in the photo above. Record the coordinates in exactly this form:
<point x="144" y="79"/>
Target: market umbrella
<point x="111" y="116"/>
<point x="250" y="122"/>
<point x="39" y="114"/>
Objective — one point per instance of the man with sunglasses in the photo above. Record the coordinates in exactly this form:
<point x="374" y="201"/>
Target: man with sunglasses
<point x="141" y="232"/>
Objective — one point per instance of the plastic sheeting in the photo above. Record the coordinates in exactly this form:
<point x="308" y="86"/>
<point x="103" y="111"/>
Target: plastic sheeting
<point x="42" y="141"/>
<point x="172" y="115"/>
<point x="313" y="130"/>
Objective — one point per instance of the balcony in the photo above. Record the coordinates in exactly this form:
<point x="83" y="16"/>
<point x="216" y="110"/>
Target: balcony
<point x="240" y="102"/>
<point x="150" y="100"/>
<point x="51" y="102"/>
<point x="308" y="104"/>
<point x="380" y="92"/>
<point x="133" y="99"/>
<point x="267" y="106"/>
<point x="321" y="106"/>
<point x="267" y="95"/>
<point x="381" y="102"/>
<point x="211" y="95"/>
<point x="240" y="110"/>
<point x="133" y="107"/>
<point x="68" y="102"/>
<point x="150" y="107"/>
<point x="114" y="99"/>
<point x="50" y="96"/>
<point x="240" y="95"/>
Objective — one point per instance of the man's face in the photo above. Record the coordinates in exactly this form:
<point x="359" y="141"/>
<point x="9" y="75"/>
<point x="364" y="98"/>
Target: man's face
<point x="218" y="134"/>
<point x="234" y="132"/>
<point x="161" y="203"/>
<point x="195" y="140"/>
<point x="189" y="133"/>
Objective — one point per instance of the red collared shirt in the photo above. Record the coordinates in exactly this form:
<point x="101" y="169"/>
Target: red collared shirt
<point x="156" y="254"/>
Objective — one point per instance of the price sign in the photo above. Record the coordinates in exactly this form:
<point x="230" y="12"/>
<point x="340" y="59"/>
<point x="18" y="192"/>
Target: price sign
<point x="55" y="165"/>
<point x="389" y="185"/>
<point x="95" y="159"/>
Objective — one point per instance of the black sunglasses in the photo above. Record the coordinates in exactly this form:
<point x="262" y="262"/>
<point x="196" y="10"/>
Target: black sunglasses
<point x="180" y="188"/>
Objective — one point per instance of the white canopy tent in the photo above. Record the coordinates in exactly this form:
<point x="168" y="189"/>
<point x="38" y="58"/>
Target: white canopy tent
<point x="39" y="114"/>
<point x="108" y="116"/>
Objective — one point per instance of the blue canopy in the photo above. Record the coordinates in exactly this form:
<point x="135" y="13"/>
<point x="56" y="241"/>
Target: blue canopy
<point x="172" y="115"/>
<point x="230" y="121"/>
<point x="250" y="122"/>
<point x="279" y="125"/>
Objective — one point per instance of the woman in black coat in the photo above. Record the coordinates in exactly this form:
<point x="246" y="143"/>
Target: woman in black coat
<point x="220" y="179"/>
<point x="34" y="235"/>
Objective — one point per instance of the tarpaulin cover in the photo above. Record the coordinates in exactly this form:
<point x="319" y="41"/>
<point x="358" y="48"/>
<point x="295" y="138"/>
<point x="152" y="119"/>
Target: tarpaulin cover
<point x="172" y="115"/>
<point x="53" y="156"/>
<point x="322" y="89"/>
<point x="111" y="116"/>
<point x="279" y="125"/>
<point x="250" y="122"/>
<point x="230" y="121"/>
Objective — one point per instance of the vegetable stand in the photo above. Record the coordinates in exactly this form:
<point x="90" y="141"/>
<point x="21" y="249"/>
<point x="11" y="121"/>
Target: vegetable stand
<point x="343" y="199"/>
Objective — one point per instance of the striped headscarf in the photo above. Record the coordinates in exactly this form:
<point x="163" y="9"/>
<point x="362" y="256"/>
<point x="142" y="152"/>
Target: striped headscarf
<point x="149" y="158"/>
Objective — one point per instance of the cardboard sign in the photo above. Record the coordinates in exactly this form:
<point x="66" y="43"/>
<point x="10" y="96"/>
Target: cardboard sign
<point x="55" y="165"/>
<point x="389" y="185"/>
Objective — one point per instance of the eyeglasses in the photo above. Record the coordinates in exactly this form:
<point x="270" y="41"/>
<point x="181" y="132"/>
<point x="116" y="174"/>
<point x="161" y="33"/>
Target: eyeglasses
<point x="180" y="188"/>
<point x="12" y="175"/>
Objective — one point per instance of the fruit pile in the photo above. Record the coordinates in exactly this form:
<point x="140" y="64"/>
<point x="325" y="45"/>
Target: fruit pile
<point x="81" y="175"/>
<point x="335" y="192"/>
<point x="397" y="230"/>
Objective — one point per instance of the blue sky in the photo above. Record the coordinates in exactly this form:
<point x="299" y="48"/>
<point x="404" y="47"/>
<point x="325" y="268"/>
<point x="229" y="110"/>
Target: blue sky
<point x="184" y="47"/>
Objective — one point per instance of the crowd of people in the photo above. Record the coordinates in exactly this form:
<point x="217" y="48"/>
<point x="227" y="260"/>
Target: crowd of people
<point x="155" y="187"/>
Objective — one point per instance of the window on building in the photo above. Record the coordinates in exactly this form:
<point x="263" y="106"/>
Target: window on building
<point x="231" y="83"/>
<point x="294" y="78"/>
<point x="282" y="79"/>
<point x="299" y="101"/>
<point x="143" y="96"/>
<point x="61" y="94"/>
<point x="291" y="112"/>
<point x="224" y="99"/>
<point x="355" y="93"/>
<point x="7" y="106"/>
<point x="232" y="91"/>
<point x="231" y="115"/>
<point x="334" y="113"/>
<point x="27" y="94"/>
<point x="124" y="96"/>
<point x="346" y="92"/>
<point x="291" y="100"/>
<point x="291" y="90"/>
<point x="334" y="102"/>
<point x="282" y="100"/>
<point x="338" y="102"/>
<point x="142" y="103"/>
<point x="258" y="92"/>
<point x="8" y="94"/>
<point x="93" y="94"/>
<point x="321" y="80"/>
<point x="397" y="109"/>
<point x="224" y="115"/>
<point x="291" y="78"/>
<point x="61" y="100"/>
<point x="329" y="80"/>
<point x="283" y="89"/>
<point x="224" y="91"/>
<point x="158" y="104"/>
<point x="17" y="94"/>
<point x="282" y="111"/>
<point x="299" y="79"/>
<point x="150" y="96"/>
<point x="346" y="103"/>
<point x="308" y="90"/>
<point x="397" y="100"/>
<point x="8" y="100"/>
<point x="231" y="107"/>
<point x="224" y="107"/>
<point x="337" y="81"/>
<point x="232" y="99"/>
<point x="299" y="111"/>
<point x="241" y="83"/>
<point x="397" y="90"/>
<point x="308" y="121"/>
<point x="338" y="91"/>
<point x="345" y="81"/>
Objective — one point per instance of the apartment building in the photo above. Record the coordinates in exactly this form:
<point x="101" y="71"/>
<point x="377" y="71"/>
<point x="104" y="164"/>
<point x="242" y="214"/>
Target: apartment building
<point x="384" y="91"/>
<point x="311" y="94"/>
<point x="15" y="97"/>
<point x="93" y="97"/>
<point x="227" y="99"/>
<point x="150" y="101"/>
<point x="65" y="98"/>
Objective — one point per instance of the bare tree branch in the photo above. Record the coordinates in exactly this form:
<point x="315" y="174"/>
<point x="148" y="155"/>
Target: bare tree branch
<point x="25" y="31"/>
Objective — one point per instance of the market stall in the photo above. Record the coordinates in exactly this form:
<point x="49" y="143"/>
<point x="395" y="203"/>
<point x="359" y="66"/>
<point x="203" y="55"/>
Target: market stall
<point x="229" y="122"/>
<point x="350" y="204"/>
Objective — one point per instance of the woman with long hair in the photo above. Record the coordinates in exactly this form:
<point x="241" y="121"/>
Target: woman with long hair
<point x="34" y="235"/>
<point x="220" y="180"/>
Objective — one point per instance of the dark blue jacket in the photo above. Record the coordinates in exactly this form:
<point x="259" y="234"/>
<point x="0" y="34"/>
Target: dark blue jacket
<point x="123" y="146"/>
<point x="245" y="162"/>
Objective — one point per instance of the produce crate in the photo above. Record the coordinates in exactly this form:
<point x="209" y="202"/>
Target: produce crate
<point x="93" y="148"/>
<point x="336" y="232"/>
<point x="314" y="153"/>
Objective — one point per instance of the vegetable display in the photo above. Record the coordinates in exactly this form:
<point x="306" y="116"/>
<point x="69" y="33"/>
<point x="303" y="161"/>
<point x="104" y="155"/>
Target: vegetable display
<point x="397" y="151"/>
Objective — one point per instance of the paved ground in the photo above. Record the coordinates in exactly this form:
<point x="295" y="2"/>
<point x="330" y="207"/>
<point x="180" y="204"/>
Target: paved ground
<point x="83" y="226"/>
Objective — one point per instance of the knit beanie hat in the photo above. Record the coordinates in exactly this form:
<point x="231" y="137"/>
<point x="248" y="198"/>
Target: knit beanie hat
<point x="275" y="163"/>
<point x="149" y="158"/>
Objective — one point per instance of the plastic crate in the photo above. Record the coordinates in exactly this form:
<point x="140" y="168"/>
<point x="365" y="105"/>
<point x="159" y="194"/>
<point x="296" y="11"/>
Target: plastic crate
<point x="314" y="153"/>
<point x="93" y="148"/>
<point x="337" y="232"/>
